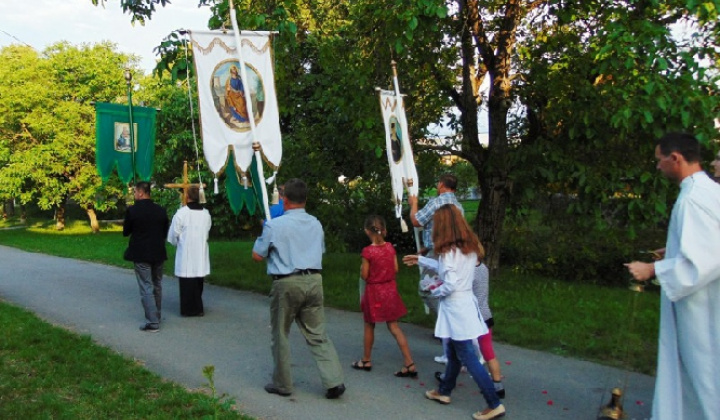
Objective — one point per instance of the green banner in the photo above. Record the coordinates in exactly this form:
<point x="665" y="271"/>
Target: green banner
<point x="112" y="141"/>
<point x="237" y="194"/>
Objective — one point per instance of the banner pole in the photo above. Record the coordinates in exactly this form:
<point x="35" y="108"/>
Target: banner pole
<point x="407" y="182"/>
<point x="251" y="115"/>
<point x="128" y="81"/>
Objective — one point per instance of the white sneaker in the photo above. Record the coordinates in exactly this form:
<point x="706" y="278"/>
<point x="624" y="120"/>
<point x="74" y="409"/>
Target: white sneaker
<point x="441" y="359"/>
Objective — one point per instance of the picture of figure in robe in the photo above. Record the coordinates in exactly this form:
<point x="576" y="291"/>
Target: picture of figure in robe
<point x="235" y="96"/>
<point x="122" y="137"/>
<point x="231" y="96"/>
<point x="395" y="137"/>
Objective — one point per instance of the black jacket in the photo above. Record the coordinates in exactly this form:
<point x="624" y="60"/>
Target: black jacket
<point x="147" y="225"/>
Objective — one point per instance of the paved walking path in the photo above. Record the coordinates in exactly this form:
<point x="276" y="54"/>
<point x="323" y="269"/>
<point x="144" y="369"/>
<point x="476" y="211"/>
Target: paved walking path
<point x="234" y="336"/>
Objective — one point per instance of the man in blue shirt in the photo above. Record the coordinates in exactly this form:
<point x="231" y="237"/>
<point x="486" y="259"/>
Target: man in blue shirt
<point x="446" y="186"/>
<point x="293" y="246"/>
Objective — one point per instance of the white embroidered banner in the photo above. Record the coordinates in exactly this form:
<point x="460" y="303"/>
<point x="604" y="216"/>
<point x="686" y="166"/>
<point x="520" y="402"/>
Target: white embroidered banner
<point x="223" y="97"/>
<point x="399" y="152"/>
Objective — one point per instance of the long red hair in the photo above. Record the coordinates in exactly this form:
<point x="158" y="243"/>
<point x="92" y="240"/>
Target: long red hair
<point x="451" y="230"/>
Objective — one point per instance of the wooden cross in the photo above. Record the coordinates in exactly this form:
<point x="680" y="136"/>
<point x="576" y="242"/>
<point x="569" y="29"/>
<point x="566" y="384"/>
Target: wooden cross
<point x="184" y="185"/>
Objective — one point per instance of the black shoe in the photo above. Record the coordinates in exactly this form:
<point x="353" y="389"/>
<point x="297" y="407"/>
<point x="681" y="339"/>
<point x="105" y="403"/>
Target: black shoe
<point x="335" y="392"/>
<point x="272" y="389"/>
<point x="439" y="376"/>
<point x="500" y="393"/>
<point x="149" y="328"/>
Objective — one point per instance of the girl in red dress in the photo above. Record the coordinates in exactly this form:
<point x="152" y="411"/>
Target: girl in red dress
<point x="381" y="301"/>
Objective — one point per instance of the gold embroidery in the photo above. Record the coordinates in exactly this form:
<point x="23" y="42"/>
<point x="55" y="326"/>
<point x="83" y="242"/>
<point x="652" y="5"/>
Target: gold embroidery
<point x="220" y="43"/>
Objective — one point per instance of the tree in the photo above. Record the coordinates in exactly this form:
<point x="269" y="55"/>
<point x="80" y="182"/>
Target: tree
<point x="583" y="77"/>
<point x="47" y="125"/>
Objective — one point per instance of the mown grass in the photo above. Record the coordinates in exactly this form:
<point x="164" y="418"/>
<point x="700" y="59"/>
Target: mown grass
<point x="50" y="373"/>
<point x="608" y="325"/>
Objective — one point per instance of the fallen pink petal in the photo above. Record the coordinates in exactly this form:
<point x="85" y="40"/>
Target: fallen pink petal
<point x="638" y="402"/>
<point x="544" y="392"/>
<point x="550" y="402"/>
<point x="507" y="362"/>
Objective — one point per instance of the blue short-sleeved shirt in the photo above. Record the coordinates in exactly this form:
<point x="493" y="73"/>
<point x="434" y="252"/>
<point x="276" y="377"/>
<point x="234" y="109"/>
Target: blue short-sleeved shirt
<point x="425" y="215"/>
<point x="295" y="241"/>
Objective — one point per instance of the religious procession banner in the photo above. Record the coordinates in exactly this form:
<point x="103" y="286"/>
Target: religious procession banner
<point x="224" y="97"/>
<point x="403" y="173"/>
<point x="112" y="141"/>
<point x="239" y="195"/>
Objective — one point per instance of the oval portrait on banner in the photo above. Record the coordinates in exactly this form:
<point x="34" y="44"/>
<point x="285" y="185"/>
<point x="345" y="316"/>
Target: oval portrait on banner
<point x="395" y="138"/>
<point x="230" y="96"/>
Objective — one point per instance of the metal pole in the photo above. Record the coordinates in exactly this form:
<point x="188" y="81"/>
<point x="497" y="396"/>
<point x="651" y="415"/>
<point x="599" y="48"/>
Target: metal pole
<point x="251" y="116"/>
<point x="128" y="81"/>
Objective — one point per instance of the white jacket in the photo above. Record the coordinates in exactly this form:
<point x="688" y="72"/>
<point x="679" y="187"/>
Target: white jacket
<point x="189" y="233"/>
<point x="459" y="315"/>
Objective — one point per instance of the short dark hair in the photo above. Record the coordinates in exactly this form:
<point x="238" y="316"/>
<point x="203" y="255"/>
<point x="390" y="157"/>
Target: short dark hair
<point x="296" y="191"/>
<point x="449" y="181"/>
<point x="193" y="193"/>
<point x="685" y="144"/>
<point x="143" y="186"/>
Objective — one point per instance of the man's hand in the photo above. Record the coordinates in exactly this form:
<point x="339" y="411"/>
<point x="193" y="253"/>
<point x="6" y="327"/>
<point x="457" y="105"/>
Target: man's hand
<point x="257" y="257"/>
<point x="641" y="271"/>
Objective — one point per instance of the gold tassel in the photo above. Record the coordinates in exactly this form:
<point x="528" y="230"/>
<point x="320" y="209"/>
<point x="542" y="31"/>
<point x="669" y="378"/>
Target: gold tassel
<point x="202" y="195"/>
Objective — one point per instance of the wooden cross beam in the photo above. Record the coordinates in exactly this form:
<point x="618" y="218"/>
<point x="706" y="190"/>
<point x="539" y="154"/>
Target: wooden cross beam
<point x="184" y="185"/>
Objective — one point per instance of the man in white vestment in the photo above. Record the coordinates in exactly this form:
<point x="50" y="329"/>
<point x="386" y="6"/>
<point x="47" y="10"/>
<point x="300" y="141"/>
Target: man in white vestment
<point x="688" y="373"/>
<point x="189" y="232"/>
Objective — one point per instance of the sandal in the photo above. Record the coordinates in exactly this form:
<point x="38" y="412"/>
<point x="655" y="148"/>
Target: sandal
<point x="365" y="365"/>
<point x="405" y="372"/>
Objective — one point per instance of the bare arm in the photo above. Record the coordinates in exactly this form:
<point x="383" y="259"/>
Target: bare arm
<point x="413" y="202"/>
<point x="364" y="269"/>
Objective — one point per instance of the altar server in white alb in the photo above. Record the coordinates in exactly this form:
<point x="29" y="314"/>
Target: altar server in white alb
<point x="189" y="233"/>
<point x="688" y="374"/>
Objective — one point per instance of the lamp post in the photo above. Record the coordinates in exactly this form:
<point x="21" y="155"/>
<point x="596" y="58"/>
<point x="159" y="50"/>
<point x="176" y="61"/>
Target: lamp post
<point x="128" y="81"/>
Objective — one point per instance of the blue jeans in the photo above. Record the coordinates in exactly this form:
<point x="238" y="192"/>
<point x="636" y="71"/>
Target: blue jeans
<point x="149" y="279"/>
<point x="463" y="353"/>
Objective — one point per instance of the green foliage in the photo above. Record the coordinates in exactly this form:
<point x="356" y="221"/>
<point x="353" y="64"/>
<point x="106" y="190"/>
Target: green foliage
<point x="47" y="130"/>
<point x="555" y="245"/>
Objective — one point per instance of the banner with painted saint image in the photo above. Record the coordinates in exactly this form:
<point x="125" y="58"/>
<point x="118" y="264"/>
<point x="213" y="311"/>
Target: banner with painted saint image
<point x="399" y="152"/>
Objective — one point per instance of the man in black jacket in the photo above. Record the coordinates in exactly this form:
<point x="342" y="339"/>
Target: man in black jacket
<point x="147" y="225"/>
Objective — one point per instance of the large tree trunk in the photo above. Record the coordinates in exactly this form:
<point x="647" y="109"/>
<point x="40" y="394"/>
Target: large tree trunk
<point x="60" y="216"/>
<point x="8" y="209"/>
<point x="94" y="225"/>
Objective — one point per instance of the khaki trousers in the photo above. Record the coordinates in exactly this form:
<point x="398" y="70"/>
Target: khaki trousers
<point x="300" y="299"/>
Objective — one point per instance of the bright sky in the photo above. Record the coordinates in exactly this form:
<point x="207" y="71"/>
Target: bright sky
<point x="41" y="23"/>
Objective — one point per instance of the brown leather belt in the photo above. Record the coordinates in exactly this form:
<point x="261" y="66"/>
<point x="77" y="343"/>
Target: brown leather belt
<point x="305" y="272"/>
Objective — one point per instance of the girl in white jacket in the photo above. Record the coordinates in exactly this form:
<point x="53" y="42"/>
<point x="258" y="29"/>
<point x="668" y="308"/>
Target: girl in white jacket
<point x="459" y="318"/>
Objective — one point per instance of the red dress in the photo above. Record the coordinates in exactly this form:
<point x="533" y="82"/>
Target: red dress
<point x="381" y="301"/>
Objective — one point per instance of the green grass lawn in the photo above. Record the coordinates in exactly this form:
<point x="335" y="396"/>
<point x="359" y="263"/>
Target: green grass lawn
<point x="49" y="373"/>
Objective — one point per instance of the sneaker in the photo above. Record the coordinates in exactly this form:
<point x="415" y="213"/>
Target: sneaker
<point x="272" y="389"/>
<point x="149" y="328"/>
<point x="489" y="414"/>
<point x="439" y="376"/>
<point x="436" y="396"/>
<point x="441" y="359"/>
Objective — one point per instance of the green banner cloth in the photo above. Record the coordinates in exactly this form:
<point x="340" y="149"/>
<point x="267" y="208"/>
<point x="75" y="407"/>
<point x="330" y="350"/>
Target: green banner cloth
<point x="112" y="141"/>
<point x="237" y="194"/>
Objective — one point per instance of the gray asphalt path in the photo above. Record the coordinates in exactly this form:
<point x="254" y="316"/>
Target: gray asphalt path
<point x="103" y="302"/>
